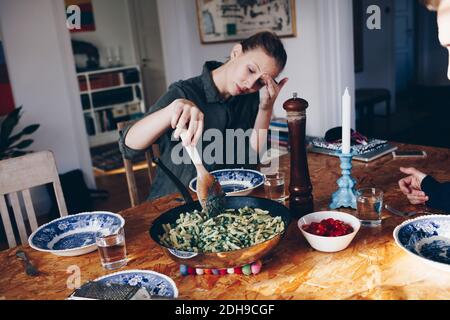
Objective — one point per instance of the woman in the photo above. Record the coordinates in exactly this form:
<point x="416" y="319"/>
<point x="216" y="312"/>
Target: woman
<point x="418" y="187"/>
<point x="224" y="96"/>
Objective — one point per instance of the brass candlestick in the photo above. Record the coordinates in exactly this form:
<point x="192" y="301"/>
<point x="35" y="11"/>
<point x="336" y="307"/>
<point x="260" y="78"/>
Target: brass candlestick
<point x="300" y="187"/>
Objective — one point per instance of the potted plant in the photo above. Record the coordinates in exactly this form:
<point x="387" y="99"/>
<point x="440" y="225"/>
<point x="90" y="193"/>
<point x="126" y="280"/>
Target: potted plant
<point x="13" y="145"/>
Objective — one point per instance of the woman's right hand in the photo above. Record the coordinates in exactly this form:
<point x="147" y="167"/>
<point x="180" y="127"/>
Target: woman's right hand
<point x="411" y="185"/>
<point x="185" y="114"/>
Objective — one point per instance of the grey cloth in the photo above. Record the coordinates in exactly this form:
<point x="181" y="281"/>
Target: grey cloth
<point x="234" y="113"/>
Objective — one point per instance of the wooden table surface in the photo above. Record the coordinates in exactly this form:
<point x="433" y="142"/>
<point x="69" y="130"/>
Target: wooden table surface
<point x="372" y="267"/>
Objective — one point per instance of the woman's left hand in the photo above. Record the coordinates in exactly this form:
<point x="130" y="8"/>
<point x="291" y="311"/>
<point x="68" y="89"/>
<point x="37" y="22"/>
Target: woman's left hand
<point x="270" y="91"/>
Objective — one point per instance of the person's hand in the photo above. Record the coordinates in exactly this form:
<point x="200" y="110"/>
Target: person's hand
<point x="185" y="114"/>
<point x="270" y="91"/>
<point x="411" y="185"/>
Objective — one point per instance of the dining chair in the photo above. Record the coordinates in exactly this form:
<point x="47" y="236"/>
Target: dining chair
<point x="129" y="171"/>
<point x="17" y="176"/>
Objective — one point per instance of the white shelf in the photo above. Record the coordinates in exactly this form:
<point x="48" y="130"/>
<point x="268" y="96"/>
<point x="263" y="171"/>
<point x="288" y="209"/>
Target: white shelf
<point x="100" y="137"/>
<point x="112" y="106"/>
<point x="110" y="88"/>
<point x="106" y="70"/>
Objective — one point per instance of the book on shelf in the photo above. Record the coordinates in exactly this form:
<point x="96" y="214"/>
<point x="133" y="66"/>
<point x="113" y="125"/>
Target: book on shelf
<point x="105" y="120"/>
<point x="90" y="127"/>
<point x="279" y="122"/>
<point x="279" y="125"/>
<point x="104" y="80"/>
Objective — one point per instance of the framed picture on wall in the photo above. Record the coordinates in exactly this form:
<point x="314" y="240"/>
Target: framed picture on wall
<point x="231" y="20"/>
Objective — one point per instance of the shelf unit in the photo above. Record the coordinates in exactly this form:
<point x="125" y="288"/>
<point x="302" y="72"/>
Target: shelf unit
<point x="109" y="96"/>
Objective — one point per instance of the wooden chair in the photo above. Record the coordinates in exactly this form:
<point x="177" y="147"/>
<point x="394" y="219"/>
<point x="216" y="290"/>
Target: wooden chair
<point x="365" y="101"/>
<point x="129" y="172"/>
<point x="19" y="175"/>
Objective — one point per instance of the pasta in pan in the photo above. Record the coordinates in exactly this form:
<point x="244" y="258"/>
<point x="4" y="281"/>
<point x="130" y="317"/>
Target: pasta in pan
<point x="231" y="230"/>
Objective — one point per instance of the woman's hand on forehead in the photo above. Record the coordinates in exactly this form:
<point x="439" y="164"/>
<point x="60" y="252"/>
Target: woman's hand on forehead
<point x="266" y="78"/>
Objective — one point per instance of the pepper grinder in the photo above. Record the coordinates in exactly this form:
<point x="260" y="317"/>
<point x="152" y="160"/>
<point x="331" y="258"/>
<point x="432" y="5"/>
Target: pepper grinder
<point x="300" y="187"/>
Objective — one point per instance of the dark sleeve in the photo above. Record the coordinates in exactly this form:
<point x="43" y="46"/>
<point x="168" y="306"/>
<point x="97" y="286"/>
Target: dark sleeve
<point x="438" y="193"/>
<point x="174" y="92"/>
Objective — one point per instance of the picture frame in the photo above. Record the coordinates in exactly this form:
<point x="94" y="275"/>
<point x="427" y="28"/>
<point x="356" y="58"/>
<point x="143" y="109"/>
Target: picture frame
<point x="232" y="20"/>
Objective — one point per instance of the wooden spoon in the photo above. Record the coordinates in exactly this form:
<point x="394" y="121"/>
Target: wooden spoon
<point x="209" y="190"/>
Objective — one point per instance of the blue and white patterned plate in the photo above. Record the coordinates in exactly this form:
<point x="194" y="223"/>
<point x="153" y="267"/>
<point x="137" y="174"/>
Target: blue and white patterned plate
<point x="235" y="182"/>
<point x="426" y="237"/>
<point x="73" y="235"/>
<point x="157" y="284"/>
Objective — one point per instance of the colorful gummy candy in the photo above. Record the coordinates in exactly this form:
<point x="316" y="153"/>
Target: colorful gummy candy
<point x="248" y="269"/>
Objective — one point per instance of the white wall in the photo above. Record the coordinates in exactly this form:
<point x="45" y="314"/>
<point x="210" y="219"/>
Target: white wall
<point x="185" y="55"/>
<point x="42" y="73"/>
<point x="112" y="28"/>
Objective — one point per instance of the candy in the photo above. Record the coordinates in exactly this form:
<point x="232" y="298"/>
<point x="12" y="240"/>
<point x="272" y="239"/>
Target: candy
<point x="191" y="270"/>
<point x="184" y="270"/>
<point x="256" y="267"/>
<point x="215" y="272"/>
<point x="208" y="271"/>
<point x="199" y="271"/>
<point x="247" y="270"/>
<point x="230" y="270"/>
<point x="223" y="272"/>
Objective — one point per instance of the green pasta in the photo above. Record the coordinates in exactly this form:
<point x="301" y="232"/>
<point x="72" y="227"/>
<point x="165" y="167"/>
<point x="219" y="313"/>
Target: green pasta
<point x="231" y="230"/>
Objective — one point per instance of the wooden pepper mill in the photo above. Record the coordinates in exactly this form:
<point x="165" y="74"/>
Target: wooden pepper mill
<point x="300" y="188"/>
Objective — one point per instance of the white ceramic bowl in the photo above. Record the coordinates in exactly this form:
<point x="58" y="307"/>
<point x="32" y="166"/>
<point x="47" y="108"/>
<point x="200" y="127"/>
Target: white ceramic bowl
<point x="329" y="244"/>
<point x="235" y="182"/>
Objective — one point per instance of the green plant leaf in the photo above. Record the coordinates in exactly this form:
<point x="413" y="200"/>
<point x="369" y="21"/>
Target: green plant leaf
<point x="28" y="130"/>
<point x="9" y="123"/>
<point x="13" y="154"/>
<point x="23" y="144"/>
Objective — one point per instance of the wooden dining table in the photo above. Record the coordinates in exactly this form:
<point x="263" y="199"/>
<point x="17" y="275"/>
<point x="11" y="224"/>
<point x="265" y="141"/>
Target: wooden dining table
<point x="372" y="267"/>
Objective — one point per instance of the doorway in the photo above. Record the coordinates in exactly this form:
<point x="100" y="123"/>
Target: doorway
<point x="405" y="58"/>
<point x="148" y="48"/>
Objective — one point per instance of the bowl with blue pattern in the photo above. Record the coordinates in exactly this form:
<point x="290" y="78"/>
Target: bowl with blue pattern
<point x="73" y="235"/>
<point x="426" y="238"/>
<point x="235" y="182"/>
<point x="157" y="284"/>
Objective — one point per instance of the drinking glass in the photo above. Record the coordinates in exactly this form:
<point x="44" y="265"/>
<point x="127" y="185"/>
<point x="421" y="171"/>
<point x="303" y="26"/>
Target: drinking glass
<point x="111" y="248"/>
<point x="274" y="186"/>
<point x="369" y="202"/>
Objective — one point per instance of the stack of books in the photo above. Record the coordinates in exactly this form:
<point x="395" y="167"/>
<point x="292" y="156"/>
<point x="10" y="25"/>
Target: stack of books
<point x="278" y="134"/>
<point x="374" y="148"/>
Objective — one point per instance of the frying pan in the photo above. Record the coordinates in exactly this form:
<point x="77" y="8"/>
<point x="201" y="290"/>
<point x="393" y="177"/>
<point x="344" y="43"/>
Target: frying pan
<point x="217" y="260"/>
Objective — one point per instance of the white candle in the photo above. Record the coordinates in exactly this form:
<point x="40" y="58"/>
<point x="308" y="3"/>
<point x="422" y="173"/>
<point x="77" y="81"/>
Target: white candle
<point x="346" y="129"/>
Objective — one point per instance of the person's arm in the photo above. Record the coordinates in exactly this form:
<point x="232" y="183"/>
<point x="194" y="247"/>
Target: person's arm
<point x="147" y="130"/>
<point x="258" y="139"/>
<point x="438" y="193"/>
<point x="170" y="111"/>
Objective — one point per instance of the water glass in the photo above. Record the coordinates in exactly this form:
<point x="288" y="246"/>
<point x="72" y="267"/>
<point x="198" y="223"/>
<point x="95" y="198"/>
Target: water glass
<point x="274" y="186"/>
<point x="111" y="248"/>
<point x="369" y="202"/>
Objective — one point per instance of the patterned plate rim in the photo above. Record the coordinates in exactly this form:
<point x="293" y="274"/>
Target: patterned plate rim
<point x="30" y="238"/>
<point x="169" y="279"/>
<point x="191" y="183"/>
<point x="398" y="243"/>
